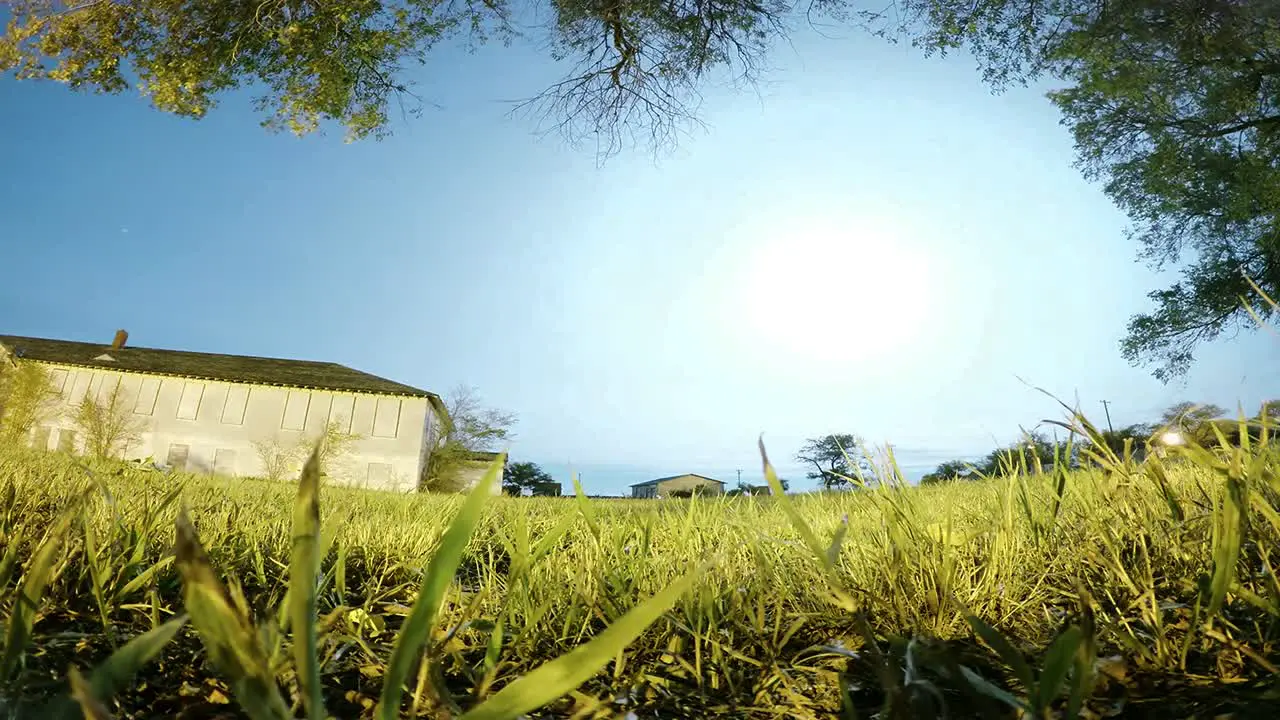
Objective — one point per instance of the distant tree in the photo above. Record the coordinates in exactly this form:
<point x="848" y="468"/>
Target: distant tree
<point x="1187" y="415"/>
<point x="27" y="397"/>
<point x="107" y="423"/>
<point x="522" y="476"/>
<point x="837" y="459"/>
<point x="1194" y="421"/>
<point x="282" y="457"/>
<point x="1134" y="437"/>
<point x="949" y="470"/>
<point x="1270" y="409"/>
<point x="470" y="428"/>
<point x="743" y="488"/>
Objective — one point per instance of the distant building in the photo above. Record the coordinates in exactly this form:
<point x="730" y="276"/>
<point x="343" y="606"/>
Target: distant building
<point x="666" y="486"/>
<point x="474" y="468"/>
<point x="548" y="489"/>
<point x="212" y="413"/>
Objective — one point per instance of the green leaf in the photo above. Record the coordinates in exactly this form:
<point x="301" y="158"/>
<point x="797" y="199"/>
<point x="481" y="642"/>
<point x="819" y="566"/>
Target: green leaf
<point x="115" y="673"/>
<point x="31" y="593"/>
<point x="833" y="551"/>
<point x="1007" y="652"/>
<point x="555" y="679"/>
<point x="1057" y="663"/>
<point x="1230" y="518"/>
<point x="233" y="644"/>
<point x="90" y="707"/>
<point x="417" y="627"/>
<point x="494" y="647"/>
<point x="10" y="559"/>
<point x="810" y="539"/>
<point x="584" y="507"/>
<point x="304" y="565"/>
<point x="143" y="578"/>
<point x="548" y="541"/>
<point x="991" y="690"/>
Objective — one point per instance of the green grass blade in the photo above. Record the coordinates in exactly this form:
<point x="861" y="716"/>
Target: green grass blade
<point x="417" y="627"/>
<point x="31" y="593"/>
<point x="1231" y="520"/>
<point x="1007" y="652"/>
<point x="143" y="578"/>
<point x="233" y="644"/>
<point x="584" y="507"/>
<point x="548" y="541"/>
<point x="807" y="535"/>
<point x="10" y="559"/>
<point x="304" y="565"/>
<point x="556" y="678"/>
<point x="115" y="673"/>
<point x="991" y="690"/>
<point x="1057" y="663"/>
<point x="89" y="706"/>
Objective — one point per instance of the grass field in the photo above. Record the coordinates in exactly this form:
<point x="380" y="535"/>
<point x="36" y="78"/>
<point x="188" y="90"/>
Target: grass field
<point x="1134" y="590"/>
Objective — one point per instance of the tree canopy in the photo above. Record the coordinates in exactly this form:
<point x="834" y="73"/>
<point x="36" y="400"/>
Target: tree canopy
<point x="837" y="459"/>
<point x="521" y="476"/>
<point x="470" y="428"/>
<point x="1174" y="105"/>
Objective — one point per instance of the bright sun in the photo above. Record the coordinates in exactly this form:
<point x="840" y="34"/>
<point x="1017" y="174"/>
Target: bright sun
<point x="838" y="294"/>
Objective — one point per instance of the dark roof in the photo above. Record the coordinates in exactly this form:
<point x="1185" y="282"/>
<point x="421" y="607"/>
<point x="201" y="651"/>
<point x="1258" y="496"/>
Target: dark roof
<point x="673" y="477"/>
<point x="210" y="366"/>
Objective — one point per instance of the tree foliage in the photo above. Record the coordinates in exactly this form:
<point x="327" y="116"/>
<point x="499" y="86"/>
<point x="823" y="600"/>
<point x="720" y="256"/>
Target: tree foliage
<point x="521" y="476"/>
<point x="1174" y="105"/>
<point x="27" y="397"/>
<point x="107" y="423"/>
<point x="283" y="457"/>
<point x="1175" y="108"/>
<point x="837" y="459"/>
<point x="471" y="427"/>
<point x="636" y="66"/>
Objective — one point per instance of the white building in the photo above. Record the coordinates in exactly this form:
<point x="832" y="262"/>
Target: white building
<point x="211" y="413"/>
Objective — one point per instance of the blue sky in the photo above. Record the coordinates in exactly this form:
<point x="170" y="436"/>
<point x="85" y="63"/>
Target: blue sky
<point x="871" y="243"/>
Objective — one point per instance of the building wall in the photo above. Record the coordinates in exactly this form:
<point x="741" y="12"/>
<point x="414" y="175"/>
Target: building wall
<point x="221" y="424"/>
<point x="688" y="482"/>
<point x="684" y="482"/>
<point x="472" y="471"/>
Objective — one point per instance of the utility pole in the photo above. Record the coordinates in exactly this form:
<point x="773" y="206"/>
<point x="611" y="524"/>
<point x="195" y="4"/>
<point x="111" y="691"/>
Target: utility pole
<point x="739" y="476"/>
<point x="1106" y="406"/>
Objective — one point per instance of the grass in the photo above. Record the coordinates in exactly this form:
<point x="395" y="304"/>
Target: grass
<point x="1130" y="588"/>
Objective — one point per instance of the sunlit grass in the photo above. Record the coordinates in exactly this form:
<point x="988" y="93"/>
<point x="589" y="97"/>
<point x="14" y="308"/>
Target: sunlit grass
<point x="1011" y="595"/>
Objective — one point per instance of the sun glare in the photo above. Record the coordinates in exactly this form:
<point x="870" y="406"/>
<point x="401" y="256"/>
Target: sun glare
<point x="837" y="294"/>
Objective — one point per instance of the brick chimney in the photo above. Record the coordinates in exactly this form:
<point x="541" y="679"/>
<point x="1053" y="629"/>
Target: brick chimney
<point x="122" y="336"/>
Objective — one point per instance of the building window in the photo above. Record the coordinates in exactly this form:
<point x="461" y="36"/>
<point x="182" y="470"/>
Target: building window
<point x="386" y="417"/>
<point x="189" y="403"/>
<point x="148" y="391"/>
<point x="341" y="411"/>
<point x="295" y="410"/>
<point x="79" y="387"/>
<point x="366" y="406"/>
<point x="224" y="462"/>
<point x="234" y="406"/>
<point x="66" y="440"/>
<point x="177" y="457"/>
<point x="379" y="475"/>
<point x="58" y="379"/>
<point x="40" y="440"/>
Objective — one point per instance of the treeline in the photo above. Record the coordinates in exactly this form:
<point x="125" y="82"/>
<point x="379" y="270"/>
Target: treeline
<point x="1184" y="423"/>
